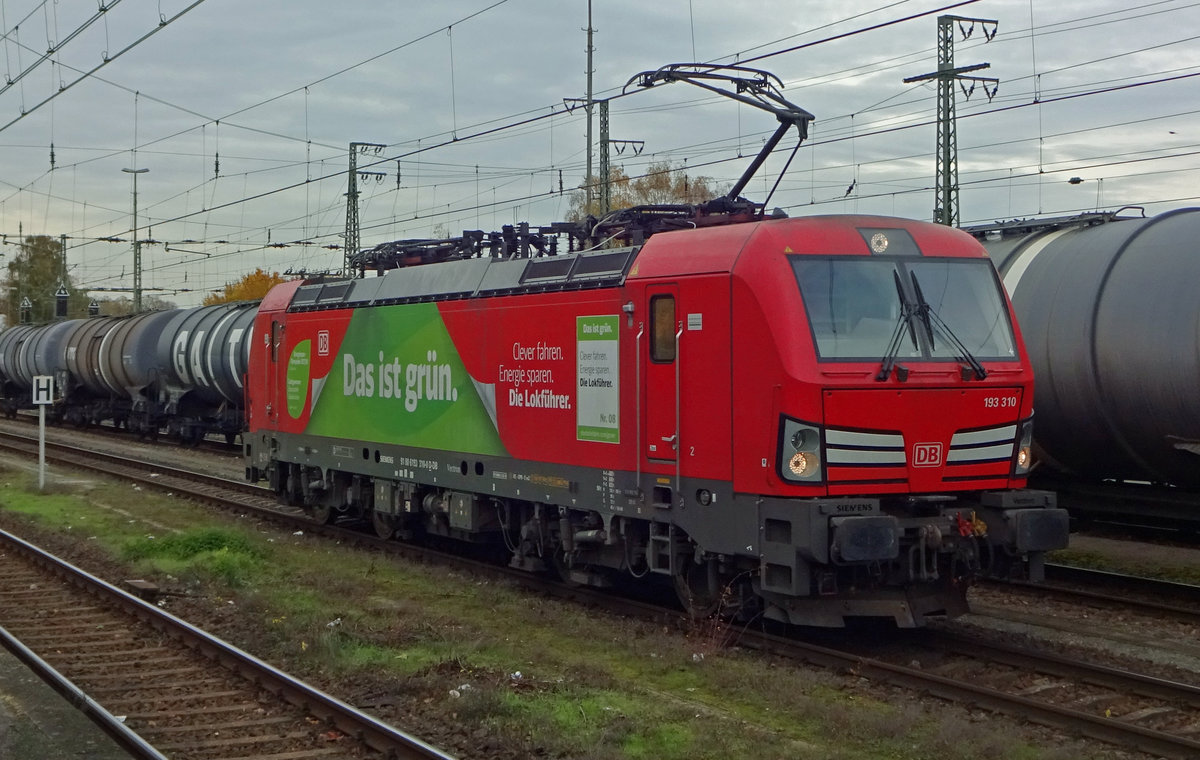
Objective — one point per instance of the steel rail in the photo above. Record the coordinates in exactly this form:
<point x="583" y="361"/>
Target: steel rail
<point x="1107" y="579"/>
<point x="1125" y="681"/>
<point x="1106" y="729"/>
<point x="133" y="469"/>
<point x="323" y="706"/>
<point x="1113" y="590"/>
<point x="125" y="737"/>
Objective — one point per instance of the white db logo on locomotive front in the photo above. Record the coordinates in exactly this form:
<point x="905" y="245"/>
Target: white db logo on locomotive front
<point x="927" y="454"/>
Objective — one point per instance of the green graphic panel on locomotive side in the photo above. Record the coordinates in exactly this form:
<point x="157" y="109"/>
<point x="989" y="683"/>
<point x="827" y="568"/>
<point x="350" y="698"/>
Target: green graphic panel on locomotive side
<point x="598" y="405"/>
<point x="398" y="378"/>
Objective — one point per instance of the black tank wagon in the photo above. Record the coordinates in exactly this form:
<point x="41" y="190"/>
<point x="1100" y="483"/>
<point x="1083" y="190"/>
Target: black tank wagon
<point x="1108" y="308"/>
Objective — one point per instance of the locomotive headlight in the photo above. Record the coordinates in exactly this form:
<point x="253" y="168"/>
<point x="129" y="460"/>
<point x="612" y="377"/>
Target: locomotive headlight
<point x="799" y="458"/>
<point x="802" y="463"/>
<point x="804" y="439"/>
<point x="1023" y="458"/>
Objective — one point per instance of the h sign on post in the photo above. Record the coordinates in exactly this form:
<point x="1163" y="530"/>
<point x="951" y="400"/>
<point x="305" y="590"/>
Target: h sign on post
<point x="43" y="394"/>
<point x="43" y="389"/>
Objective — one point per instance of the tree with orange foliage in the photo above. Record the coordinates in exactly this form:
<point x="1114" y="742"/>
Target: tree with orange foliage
<point x="252" y="287"/>
<point x="662" y="182"/>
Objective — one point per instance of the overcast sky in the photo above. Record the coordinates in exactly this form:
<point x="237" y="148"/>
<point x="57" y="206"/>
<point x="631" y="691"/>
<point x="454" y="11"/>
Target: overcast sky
<point x="242" y="113"/>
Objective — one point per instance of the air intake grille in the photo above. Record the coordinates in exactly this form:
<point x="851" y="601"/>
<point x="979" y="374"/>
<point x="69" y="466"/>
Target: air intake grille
<point x="855" y="448"/>
<point x="979" y="446"/>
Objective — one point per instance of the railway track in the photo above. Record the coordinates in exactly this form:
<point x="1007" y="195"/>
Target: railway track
<point x="212" y="442"/>
<point x="1114" y="591"/>
<point x="1150" y="714"/>
<point x="162" y="687"/>
<point x="1153" y="715"/>
<point x="189" y="482"/>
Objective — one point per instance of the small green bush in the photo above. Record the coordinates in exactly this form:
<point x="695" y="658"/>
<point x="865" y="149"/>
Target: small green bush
<point x="185" y="546"/>
<point x="216" y="553"/>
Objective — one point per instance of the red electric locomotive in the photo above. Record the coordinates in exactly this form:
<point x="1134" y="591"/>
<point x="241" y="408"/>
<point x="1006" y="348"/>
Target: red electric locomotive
<point x="809" y="419"/>
<point x="816" y="418"/>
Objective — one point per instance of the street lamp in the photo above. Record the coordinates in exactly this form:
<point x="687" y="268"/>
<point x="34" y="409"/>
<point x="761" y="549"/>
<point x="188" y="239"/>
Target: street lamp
<point x="137" y="246"/>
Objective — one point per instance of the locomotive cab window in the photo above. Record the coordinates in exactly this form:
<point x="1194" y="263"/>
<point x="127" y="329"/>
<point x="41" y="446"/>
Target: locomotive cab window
<point x="857" y="305"/>
<point x="662" y="328"/>
<point x="966" y="295"/>
<point x="852" y="306"/>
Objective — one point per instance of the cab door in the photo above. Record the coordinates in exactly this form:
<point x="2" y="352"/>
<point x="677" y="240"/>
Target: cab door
<point x="661" y="359"/>
<point x="275" y="394"/>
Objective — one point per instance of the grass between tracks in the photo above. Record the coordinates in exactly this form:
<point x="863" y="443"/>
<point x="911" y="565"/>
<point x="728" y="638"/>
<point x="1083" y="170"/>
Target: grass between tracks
<point x="505" y="672"/>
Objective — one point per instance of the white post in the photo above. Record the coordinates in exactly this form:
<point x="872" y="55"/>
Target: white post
<point x="42" y="447"/>
<point x="43" y="393"/>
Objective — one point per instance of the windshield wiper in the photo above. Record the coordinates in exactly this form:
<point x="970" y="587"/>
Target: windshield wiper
<point x="905" y="318"/>
<point x="931" y="318"/>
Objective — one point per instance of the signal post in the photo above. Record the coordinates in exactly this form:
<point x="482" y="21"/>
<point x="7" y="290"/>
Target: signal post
<point x="43" y="394"/>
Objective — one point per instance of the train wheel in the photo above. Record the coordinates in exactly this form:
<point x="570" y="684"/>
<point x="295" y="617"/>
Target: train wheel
<point x="699" y="591"/>
<point x="289" y="492"/>
<point x="384" y="524"/>
<point x="322" y="514"/>
<point x="562" y="566"/>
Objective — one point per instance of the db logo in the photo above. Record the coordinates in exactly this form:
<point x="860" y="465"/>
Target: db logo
<point x="323" y="343"/>
<point x="927" y="454"/>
